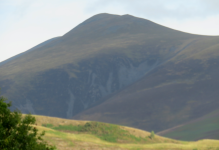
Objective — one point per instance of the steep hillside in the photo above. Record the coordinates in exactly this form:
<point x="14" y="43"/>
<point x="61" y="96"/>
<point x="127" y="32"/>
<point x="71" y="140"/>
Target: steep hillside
<point x="118" y="69"/>
<point x="73" y="134"/>
<point x="206" y="127"/>
<point x="180" y="90"/>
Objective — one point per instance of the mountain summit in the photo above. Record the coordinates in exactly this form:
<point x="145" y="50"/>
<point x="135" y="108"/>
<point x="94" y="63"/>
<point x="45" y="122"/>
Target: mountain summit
<point x="117" y="69"/>
<point x="106" y="25"/>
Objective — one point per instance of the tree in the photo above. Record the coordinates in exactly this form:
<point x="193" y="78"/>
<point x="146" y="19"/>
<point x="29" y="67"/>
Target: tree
<point x="17" y="132"/>
<point x="152" y="135"/>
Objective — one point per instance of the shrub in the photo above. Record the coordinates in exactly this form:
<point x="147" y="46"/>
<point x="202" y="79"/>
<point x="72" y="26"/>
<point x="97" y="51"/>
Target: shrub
<point x="152" y="135"/>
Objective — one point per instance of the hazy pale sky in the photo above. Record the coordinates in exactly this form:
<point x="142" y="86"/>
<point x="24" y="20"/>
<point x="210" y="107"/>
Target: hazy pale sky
<point x="26" y="23"/>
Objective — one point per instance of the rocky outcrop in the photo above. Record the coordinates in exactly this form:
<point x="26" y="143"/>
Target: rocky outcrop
<point x="94" y="81"/>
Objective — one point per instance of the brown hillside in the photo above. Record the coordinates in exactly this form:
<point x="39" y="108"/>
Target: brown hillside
<point x="178" y="91"/>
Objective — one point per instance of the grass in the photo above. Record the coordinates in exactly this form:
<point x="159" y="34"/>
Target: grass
<point x="88" y="141"/>
<point x="72" y="134"/>
<point x="107" y="132"/>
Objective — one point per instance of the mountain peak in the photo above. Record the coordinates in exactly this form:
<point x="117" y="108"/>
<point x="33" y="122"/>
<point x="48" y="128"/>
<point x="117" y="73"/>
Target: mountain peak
<point x="105" y="24"/>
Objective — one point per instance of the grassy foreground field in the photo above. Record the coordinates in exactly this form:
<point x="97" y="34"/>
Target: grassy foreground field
<point x="86" y="135"/>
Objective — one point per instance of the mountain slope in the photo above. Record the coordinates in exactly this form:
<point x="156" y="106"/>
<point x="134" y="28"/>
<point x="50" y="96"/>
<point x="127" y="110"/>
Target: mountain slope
<point x="179" y="90"/>
<point x="35" y="47"/>
<point x="118" y="69"/>
<point x="205" y="127"/>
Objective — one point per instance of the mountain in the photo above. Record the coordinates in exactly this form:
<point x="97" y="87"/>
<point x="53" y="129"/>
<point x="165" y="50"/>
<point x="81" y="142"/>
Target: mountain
<point x="117" y="69"/>
<point x="177" y="91"/>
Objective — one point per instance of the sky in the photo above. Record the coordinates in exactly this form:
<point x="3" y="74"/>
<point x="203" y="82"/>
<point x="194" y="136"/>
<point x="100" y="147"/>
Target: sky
<point x="26" y="23"/>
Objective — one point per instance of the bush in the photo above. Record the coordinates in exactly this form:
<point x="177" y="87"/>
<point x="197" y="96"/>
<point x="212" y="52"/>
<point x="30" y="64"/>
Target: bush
<point x="152" y="135"/>
<point x="17" y="133"/>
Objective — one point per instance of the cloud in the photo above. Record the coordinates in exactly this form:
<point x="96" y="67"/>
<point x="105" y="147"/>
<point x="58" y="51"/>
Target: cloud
<point x="11" y="11"/>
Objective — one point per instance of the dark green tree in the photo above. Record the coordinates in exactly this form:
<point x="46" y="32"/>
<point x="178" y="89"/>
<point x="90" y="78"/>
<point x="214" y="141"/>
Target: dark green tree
<point x="17" y="132"/>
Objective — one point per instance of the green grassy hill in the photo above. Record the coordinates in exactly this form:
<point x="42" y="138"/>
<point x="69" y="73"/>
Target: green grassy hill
<point x="74" y="134"/>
